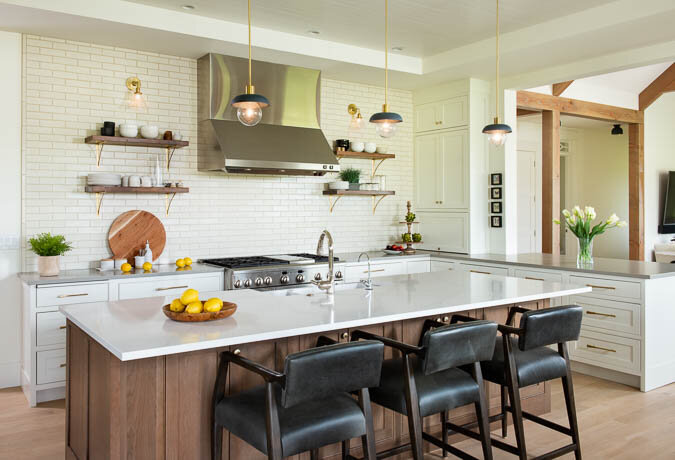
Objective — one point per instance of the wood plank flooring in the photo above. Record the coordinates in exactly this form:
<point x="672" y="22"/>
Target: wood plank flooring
<point x="616" y="422"/>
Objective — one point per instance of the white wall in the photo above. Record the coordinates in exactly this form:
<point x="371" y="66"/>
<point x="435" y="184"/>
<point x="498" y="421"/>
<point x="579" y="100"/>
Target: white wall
<point x="659" y="159"/>
<point x="10" y="206"/>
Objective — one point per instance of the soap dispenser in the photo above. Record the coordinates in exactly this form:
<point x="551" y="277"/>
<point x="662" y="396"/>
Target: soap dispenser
<point x="148" y="252"/>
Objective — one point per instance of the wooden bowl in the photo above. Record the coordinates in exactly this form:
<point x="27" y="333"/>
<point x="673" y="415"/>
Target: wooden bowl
<point x="228" y="310"/>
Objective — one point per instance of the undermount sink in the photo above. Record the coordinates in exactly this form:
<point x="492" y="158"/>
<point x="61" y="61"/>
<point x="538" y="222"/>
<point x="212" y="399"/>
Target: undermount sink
<point x="314" y="290"/>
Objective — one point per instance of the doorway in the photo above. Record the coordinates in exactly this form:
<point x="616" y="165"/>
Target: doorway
<point x="527" y="201"/>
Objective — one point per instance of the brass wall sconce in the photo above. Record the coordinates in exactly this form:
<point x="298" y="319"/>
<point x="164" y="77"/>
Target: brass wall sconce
<point x="135" y="98"/>
<point x="357" y="121"/>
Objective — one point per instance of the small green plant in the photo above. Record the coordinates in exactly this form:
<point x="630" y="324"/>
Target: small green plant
<point x="410" y="217"/>
<point x="417" y="237"/>
<point x="46" y="244"/>
<point x="406" y="237"/>
<point x="350" y="175"/>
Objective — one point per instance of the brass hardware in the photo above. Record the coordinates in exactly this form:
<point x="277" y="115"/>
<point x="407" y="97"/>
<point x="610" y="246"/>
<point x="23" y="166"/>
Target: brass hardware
<point x="482" y="273"/>
<point x="168" y="201"/>
<point x="600" y="314"/>
<point x="99" y="202"/>
<point x="237" y="351"/>
<point x="63" y="296"/>
<point x="600" y="348"/>
<point x="134" y="84"/>
<point x="373" y="271"/>
<point x="169" y="156"/>
<point x="376" y="202"/>
<point x="62" y="365"/>
<point x="595" y="286"/>
<point x="438" y="320"/>
<point x="534" y="279"/>
<point x="345" y="335"/>
<point x="353" y="110"/>
<point x="62" y="327"/>
<point x="169" y="288"/>
<point x="99" y="151"/>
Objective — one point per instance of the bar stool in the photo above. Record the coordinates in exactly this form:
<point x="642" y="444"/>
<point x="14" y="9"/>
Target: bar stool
<point x="306" y="407"/>
<point x="427" y="380"/>
<point x="522" y="358"/>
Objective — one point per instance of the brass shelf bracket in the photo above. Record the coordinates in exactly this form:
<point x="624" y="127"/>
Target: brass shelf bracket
<point x="377" y="201"/>
<point x="375" y="168"/>
<point x="169" y="156"/>
<point x="99" y="202"/>
<point x="99" y="151"/>
<point x="168" y="200"/>
<point x="333" y="202"/>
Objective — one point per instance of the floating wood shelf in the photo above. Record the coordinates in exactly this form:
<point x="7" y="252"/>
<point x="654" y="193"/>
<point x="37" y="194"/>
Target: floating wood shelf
<point x="100" y="141"/>
<point x="372" y="193"/>
<point x="375" y="157"/>
<point x="409" y="242"/>
<point x="101" y="190"/>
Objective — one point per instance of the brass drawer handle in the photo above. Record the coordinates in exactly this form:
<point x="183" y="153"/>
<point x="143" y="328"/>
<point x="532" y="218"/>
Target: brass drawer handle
<point x="600" y="348"/>
<point x="63" y="365"/>
<point x="482" y="273"/>
<point x="63" y="296"/>
<point x="589" y="312"/>
<point x="535" y="279"/>
<point x="373" y="271"/>
<point x="62" y="327"/>
<point x="595" y="286"/>
<point x="170" y="287"/>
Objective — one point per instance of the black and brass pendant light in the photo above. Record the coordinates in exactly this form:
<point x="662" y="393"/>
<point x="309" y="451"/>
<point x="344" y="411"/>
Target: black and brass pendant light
<point x="386" y="121"/>
<point x="249" y="105"/>
<point x="497" y="131"/>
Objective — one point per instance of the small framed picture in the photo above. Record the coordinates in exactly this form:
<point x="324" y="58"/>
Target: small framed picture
<point x="496" y="207"/>
<point x="496" y="221"/>
<point x="496" y="193"/>
<point x="496" y="179"/>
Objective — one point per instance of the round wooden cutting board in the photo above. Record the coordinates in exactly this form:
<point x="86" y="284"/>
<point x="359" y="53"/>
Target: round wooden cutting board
<point x="129" y="232"/>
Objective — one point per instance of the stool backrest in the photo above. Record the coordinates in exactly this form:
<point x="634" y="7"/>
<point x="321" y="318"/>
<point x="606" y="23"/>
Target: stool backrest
<point x="458" y="344"/>
<point x="549" y="326"/>
<point x="321" y="372"/>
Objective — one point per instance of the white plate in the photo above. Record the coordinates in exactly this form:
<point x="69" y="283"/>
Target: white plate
<point x="392" y="252"/>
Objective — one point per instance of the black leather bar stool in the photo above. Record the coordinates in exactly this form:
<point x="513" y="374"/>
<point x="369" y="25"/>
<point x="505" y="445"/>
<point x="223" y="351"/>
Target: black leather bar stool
<point x="522" y="358"/>
<point x="427" y="380"/>
<point x="306" y="407"/>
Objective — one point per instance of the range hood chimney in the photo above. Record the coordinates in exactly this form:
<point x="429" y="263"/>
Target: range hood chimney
<point x="288" y="140"/>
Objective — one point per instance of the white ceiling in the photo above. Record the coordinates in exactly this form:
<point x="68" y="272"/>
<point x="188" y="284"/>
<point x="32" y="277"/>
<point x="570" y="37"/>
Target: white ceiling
<point x="631" y="80"/>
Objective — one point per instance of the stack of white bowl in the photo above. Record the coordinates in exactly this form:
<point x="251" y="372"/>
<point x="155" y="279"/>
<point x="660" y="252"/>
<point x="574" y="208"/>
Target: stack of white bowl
<point x="100" y="178"/>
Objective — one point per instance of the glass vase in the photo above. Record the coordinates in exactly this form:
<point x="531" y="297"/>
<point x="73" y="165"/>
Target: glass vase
<point x="584" y="252"/>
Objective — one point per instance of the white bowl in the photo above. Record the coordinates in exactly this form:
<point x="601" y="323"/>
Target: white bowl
<point x="358" y="146"/>
<point x="338" y="185"/>
<point x="128" y="130"/>
<point x="381" y="149"/>
<point x="149" y="132"/>
<point x="370" y="147"/>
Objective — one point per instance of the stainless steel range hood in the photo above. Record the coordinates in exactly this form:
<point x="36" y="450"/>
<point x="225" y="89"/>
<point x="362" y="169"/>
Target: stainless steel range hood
<point x="288" y="140"/>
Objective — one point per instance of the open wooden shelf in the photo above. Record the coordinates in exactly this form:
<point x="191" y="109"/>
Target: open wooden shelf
<point x="364" y="155"/>
<point x="169" y="146"/>
<point x="409" y="242"/>
<point x="372" y="193"/>
<point x="101" y="190"/>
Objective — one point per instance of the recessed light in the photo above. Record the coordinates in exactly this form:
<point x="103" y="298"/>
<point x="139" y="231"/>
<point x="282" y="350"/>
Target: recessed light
<point x="188" y="7"/>
<point x="397" y="48"/>
<point x="313" y="32"/>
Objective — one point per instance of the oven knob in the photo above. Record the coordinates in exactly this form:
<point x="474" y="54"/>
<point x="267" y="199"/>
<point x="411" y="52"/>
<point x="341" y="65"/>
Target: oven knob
<point x="258" y="281"/>
<point x="338" y="275"/>
<point x="300" y="278"/>
<point x="247" y="283"/>
<point x="268" y="280"/>
<point x="284" y="279"/>
<point x="317" y="277"/>
<point x="237" y="284"/>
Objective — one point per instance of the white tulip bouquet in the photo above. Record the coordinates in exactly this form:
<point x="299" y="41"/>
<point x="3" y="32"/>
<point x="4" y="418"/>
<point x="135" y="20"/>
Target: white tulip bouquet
<point x="579" y="222"/>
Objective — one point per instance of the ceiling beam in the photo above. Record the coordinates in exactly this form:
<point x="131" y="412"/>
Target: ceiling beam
<point x="662" y="84"/>
<point x="558" y="88"/>
<point x="536" y="101"/>
<point x="525" y="112"/>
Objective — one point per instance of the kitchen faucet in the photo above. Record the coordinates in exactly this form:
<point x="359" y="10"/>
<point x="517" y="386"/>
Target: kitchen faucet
<point x="367" y="283"/>
<point x="329" y="284"/>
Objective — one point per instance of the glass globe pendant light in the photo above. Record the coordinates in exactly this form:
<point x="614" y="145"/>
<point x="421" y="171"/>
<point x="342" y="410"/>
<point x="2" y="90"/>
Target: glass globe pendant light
<point x="497" y="131"/>
<point x="386" y="121"/>
<point x="249" y="105"/>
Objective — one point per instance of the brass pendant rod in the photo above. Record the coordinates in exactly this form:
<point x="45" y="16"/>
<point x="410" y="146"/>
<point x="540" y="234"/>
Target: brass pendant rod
<point x="250" y="80"/>
<point x="497" y="65"/>
<point x="386" y="50"/>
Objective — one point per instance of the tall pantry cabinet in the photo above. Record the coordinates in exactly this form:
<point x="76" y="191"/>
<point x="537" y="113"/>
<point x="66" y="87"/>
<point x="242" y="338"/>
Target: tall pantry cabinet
<point x="451" y="166"/>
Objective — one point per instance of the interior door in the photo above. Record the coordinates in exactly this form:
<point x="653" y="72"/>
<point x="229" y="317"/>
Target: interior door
<point x="427" y="175"/>
<point x="454" y="167"/>
<point x="526" y="199"/>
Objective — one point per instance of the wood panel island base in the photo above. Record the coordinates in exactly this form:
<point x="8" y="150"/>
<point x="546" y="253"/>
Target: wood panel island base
<point x="120" y="404"/>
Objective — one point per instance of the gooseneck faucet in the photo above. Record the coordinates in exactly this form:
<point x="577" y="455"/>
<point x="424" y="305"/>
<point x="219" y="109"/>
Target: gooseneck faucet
<point x="367" y="283"/>
<point x="329" y="284"/>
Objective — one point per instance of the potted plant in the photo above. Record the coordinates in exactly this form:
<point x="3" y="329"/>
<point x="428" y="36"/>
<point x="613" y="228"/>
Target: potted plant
<point x="579" y="223"/>
<point x="49" y="248"/>
<point x="352" y="176"/>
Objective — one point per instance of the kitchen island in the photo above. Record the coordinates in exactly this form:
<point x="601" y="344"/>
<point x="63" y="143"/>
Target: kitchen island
<point x="140" y="385"/>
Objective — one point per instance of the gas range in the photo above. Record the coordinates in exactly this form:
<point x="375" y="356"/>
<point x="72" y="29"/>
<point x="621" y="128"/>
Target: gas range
<point x="273" y="272"/>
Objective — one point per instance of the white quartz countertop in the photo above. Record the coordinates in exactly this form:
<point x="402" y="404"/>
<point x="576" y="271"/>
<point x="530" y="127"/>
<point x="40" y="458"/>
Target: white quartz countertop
<point x="135" y="329"/>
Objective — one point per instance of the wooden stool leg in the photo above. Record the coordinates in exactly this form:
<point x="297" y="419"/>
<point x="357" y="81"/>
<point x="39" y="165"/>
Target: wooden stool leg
<point x="514" y="397"/>
<point x="367" y="440"/>
<point x="482" y="414"/>
<point x="413" y="409"/>
<point x="217" y="442"/>
<point x="568" y="391"/>
<point x="314" y="454"/>
<point x="444" y="431"/>
<point x="345" y="449"/>
<point x="502" y="389"/>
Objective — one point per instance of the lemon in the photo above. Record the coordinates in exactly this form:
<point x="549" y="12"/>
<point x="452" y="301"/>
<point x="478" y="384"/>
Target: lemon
<point x="194" y="307"/>
<point x="189" y="296"/>
<point x="147" y="266"/>
<point x="177" y="306"/>
<point x="180" y="263"/>
<point x="213" y="305"/>
<point x="126" y="267"/>
<point x="187" y="261"/>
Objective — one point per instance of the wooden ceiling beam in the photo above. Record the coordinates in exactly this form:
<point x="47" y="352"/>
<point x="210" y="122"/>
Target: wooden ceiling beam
<point x="662" y="84"/>
<point x="558" y="88"/>
<point x="536" y="101"/>
<point x="525" y="112"/>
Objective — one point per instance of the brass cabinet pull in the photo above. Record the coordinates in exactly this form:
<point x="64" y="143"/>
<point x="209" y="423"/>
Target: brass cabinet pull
<point x="63" y="296"/>
<point x="63" y="365"/>
<point x="600" y="348"/>
<point x="373" y="271"/>
<point x="589" y="312"/>
<point x="62" y="327"/>
<point x="171" y="287"/>
<point x="595" y="286"/>
<point x="482" y="273"/>
<point x="535" y="279"/>
<point x="345" y="335"/>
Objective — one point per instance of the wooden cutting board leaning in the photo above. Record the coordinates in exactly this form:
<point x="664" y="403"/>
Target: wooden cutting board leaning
<point x="129" y="232"/>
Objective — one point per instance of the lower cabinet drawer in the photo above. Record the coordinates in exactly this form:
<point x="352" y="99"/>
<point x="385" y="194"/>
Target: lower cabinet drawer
<point x="51" y="366"/>
<point x="356" y="273"/>
<point x="622" y="317"/>
<point x="418" y="266"/>
<point x="539" y="276"/>
<point x="607" y="351"/>
<point x="486" y="269"/>
<point x="51" y="295"/>
<point x="50" y="328"/>
<point x="173" y="286"/>
<point x="442" y="265"/>
<point x="609" y="287"/>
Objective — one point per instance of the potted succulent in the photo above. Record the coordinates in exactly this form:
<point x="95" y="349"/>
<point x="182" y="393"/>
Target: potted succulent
<point x="49" y="249"/>
<point x="352" y="176"/>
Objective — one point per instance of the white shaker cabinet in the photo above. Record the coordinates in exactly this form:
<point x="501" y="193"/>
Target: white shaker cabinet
<point x="449" y="113"/>
<point x="444" y="231"/>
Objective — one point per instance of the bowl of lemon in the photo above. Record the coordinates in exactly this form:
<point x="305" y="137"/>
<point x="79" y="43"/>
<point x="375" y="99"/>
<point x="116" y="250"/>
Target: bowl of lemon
<point x="188" y="308"/>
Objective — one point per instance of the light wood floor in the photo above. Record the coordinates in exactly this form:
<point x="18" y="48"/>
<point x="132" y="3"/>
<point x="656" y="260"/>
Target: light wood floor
<point x="616" y="422"/>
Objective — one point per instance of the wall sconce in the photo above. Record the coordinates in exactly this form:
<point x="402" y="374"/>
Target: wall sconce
<point x="357" y="122"/>
<point x="135" y="98"/>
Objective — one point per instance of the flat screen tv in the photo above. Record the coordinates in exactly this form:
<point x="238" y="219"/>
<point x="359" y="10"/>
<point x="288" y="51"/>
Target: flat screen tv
<point x="668" y="222"/>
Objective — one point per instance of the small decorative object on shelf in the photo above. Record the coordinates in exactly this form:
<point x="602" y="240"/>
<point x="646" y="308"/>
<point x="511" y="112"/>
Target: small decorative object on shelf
<point x="579" y="222"/>
<point x="409" y="238"/>
<point x="352" y="176"/>
<point x="49" y="248"/>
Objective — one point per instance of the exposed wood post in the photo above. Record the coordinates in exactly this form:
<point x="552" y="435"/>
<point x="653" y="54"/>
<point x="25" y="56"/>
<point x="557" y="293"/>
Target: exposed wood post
<point x="550" y="178"/>
<point x="636" y="191"/>
<point x="664" y="83"/>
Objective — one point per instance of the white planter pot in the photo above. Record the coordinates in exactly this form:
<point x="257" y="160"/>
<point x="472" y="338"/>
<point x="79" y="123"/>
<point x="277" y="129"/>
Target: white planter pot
<point x="48" y="265"/>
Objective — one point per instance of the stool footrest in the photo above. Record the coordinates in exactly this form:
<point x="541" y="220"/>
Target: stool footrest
<point x="393" y="451"/>
<point x="452" y="449"/>
<point x="547" y="423"/>
<point x="557" y="453"/>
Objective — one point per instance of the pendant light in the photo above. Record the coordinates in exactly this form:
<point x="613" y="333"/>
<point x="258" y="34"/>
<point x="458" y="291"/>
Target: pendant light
<point x="386" y="121"/>
<point x="497" y="131"/>
<point x="249" y="105"/>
